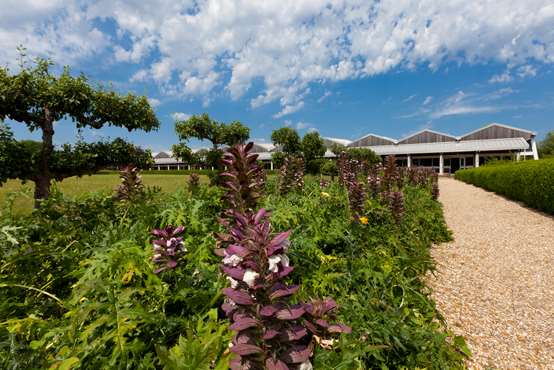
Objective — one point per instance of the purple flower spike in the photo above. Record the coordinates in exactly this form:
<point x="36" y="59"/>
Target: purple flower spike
<point x="271" y="332"/>
<point x="168" y="248"/>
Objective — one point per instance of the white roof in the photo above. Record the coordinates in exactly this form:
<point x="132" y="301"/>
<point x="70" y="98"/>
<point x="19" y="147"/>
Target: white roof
<point x="170" y="160"/>
<point x="490" y="145"/>
<point x="267" y="146"/>
<point x="337" y="140"/>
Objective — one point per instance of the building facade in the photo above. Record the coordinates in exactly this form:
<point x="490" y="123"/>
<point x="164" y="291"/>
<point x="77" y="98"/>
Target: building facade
<point x="442" y="152"/>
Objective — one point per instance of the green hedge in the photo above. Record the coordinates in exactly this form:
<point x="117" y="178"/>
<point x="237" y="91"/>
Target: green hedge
<point x="531" y="182"/>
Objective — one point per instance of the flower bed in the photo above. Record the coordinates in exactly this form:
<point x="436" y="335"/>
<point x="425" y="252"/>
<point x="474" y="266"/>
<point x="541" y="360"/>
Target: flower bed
<point x="308" y="274"/>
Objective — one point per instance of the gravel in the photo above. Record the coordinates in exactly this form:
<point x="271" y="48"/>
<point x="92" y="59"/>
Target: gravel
<point x="494" y="283"/>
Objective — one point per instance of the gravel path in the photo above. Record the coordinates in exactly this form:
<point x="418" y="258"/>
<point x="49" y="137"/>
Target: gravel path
<point x="494" y="283"/>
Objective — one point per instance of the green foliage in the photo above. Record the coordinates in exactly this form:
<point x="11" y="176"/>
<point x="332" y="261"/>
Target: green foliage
<point x="364" y="155"/>
<point x="546" y="146"/>
<point x="313" y="146"/>
<point x="287" y="140"/>
<point x="202" y="127"/>
<point x="20" y="159"/>
<point x="531" y="182"/>
<point x="278" y="159"/>
<point x="34" y="93"/>
<point x="37" y="98"/>
<point x="329" y="168"/>
<point x="78" y="289"/>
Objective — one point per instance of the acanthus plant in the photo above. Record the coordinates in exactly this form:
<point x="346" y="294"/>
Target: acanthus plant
<point x="168" y="248"/>
<point x="374" y="181"/>
<point x="390" y="173"/>
<point x="291" y="174"/>
<point x="194" y="181"/>
<point x="394" y="200"/>
<point x="131" y="184"/>
<point x="435" y="186"/>
<point x="323" y="183"/>
<point x="346" y="168"/>
<point x="271" y="331"/>
<point x="356" y="198"/>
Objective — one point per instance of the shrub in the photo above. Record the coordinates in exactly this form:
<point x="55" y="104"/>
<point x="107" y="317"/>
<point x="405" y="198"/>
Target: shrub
<point x="530" y="182"/>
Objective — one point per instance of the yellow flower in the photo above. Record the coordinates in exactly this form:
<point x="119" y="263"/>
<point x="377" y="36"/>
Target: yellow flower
<point x="325" y="195"/>
<point x="364" y="220"/>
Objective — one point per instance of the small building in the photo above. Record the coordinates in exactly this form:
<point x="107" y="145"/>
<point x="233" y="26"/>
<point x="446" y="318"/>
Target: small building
<point x="446" y="153"/>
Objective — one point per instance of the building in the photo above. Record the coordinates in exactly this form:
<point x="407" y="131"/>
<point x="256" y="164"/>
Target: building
<point x="447" y="153"/>
<point x="442" y="152"/>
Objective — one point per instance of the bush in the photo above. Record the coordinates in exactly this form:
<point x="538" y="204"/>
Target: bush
<point x="313" y="167"/>
<point x="530" y="182"/>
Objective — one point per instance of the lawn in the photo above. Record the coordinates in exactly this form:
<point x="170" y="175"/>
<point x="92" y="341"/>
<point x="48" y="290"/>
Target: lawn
<point x="75" y="186"/>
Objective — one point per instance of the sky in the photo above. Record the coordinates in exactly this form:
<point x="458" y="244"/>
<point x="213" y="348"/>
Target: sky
<point x="344" y="67"/>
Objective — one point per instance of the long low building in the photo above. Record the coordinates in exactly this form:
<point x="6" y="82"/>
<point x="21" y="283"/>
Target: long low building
<point x="447" y="153"/>
<point x="443" y="152"/>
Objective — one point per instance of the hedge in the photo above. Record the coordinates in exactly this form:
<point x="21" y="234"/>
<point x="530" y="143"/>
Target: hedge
<point x="530" y="182"/>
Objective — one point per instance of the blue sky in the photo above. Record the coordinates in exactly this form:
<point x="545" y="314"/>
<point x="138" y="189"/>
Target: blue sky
<point x="343" y="68"/>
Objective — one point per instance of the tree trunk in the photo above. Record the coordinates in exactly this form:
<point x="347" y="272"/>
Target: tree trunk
<point x="44" y="177"/>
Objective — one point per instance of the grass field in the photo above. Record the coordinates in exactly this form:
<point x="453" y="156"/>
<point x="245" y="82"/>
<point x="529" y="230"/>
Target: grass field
<point x="75" y="186"/>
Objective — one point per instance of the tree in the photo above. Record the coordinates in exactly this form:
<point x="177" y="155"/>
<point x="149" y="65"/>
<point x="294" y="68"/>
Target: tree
<point x="22" y="159"/>
<point x="287" y="140"/>
<point x="39" y="99"/>
<point x="202" y="127"/>
<point x="363" y="155"/>
<point x="313" y="146"/>
<point x="546" y="147"/>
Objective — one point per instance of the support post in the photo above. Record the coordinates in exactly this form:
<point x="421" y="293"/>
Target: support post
<point x="441" y="165"/>
<point x="271" y="165"/>
<point x="178" y="167"/>
<point x="534" y="148"/>
<point x="476" y="159"/>
<point x="409" y="161"/>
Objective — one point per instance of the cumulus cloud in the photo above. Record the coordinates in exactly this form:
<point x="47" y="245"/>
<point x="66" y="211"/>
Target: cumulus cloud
<point x="180" y="116"/>
<point x="154" y="102"/>
<point x="281" y="47"/>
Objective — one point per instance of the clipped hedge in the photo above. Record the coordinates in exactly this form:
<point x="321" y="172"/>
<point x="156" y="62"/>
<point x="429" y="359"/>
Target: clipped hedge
<point x="531" y="182"/>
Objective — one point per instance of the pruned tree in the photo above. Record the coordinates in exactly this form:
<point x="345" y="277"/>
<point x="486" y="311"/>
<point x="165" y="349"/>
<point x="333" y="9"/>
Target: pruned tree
<point x="202" y="127"/>
<point x="287" y="139"/>
<point x="37" y="98"/>
<point x="313" y="146"/>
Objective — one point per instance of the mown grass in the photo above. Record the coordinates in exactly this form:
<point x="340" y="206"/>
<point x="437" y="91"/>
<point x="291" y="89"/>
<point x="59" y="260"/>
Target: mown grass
<point x="76" y="186"/>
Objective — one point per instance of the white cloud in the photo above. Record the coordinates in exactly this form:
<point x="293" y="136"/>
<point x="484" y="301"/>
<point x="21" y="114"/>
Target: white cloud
<point x="501" y="78"/>
<point x="527" y="71"/>
<point x="427" y="100"/>
<point x="180" y="116"/>
<point x="324" y="97"/>
<point x="462" y="109"/>
<point x="154" y="102"/>
<point x="409" y="98"/>
<point x="210" y="47"/>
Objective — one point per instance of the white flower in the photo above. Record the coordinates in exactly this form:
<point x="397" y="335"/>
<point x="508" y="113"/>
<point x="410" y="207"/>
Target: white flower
<point x="249" y="277"/>
<point x="275" y="259"/>
<point x="232" y="260"/>
<point x="306" y="365"/>
<point x="234" y="283"/>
